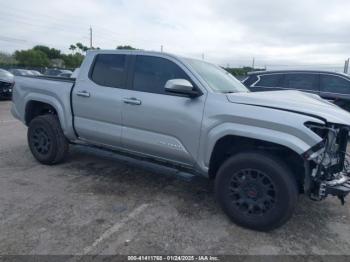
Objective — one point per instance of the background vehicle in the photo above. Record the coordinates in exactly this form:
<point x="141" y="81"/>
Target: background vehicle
<point x="6" y="84"/>
<point x="21" y="72"/>
<point x="65" y="75"/>
<point x="334" y="87"/>
<point x="56" y="72"/>
<point x="35" y="72"/>
<point x="261" y="148"/>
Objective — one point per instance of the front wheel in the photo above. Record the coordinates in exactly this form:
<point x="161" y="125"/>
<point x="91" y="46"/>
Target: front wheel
<point x="256" y="190"/>
<point x="46" y="139"/>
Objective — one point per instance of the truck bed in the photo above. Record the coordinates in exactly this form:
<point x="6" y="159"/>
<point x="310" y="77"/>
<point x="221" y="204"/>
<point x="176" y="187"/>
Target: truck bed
<point x="54" y="78"/>
<point x="55" y="91"/>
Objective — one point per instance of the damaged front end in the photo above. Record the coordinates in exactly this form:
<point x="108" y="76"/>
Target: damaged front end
<point x="327" y="164"/>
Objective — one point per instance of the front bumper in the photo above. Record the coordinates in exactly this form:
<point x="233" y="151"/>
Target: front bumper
<point x="330" y="169"/>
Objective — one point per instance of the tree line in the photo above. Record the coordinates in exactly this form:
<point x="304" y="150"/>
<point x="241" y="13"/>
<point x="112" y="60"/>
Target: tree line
<point x="44" y="56"/>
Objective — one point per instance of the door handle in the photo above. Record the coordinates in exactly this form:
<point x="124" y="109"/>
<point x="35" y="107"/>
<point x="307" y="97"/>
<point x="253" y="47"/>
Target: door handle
<point x="132" y="101"/>
<point x="83" y="93"/>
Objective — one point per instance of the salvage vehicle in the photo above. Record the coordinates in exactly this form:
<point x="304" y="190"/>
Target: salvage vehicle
<point x="334" y="87"/>
<point x="6" y="84"/>
<point x="262" y="149"/>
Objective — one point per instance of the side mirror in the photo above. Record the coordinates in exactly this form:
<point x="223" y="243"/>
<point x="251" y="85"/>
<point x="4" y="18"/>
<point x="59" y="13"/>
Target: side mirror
<point x="182" y="87"/>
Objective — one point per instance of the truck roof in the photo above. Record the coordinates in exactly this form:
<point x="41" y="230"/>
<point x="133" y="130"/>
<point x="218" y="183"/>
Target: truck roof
<point x="124" y="51"/>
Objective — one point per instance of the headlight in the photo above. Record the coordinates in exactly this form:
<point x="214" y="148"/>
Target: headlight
<point x="318" y="129"/>
<point x="314" y="151"/>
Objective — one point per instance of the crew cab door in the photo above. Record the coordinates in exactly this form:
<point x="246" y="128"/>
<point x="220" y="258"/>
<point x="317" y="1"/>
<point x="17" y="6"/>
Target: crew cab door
<point x="97" y="99"/>
<point x="156" y="123"/>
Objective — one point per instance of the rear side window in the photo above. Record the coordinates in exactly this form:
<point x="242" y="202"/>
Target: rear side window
<point x="250" y="80"/>
<point x="151" y="74"/>
<point x="335" y="84"/>
<point x="269" y="80"/>
<point x="301" y="81"/>
<point x="109" y="70"/>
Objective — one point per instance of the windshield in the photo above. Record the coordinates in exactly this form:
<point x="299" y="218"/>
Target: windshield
<point x="217" y="78"/>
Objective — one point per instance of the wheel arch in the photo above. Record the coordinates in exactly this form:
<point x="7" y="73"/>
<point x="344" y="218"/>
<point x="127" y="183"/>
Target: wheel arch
<point x="224" y="143"/>
<point x="42" y="104"/>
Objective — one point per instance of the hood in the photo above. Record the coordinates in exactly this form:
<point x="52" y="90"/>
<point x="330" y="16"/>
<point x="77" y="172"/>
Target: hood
<point x="294" y="101"/>
<point x="9" y="78"/>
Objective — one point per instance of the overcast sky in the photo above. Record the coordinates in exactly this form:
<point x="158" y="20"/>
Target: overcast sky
<point x="277" y="33"/>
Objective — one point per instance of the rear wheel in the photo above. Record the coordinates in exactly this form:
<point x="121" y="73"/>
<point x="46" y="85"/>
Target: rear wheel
<point x="256" y="190"/>
<point x="46" y="140"/>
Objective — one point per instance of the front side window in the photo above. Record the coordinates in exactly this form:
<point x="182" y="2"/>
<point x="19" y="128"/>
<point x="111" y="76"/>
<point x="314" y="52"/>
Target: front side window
<point x="269" y="80"/>
<point x="109" y="70"/>
<point x="335" y="84"/>
<point x="151" y="74"/>
<point x="301" y="81"/>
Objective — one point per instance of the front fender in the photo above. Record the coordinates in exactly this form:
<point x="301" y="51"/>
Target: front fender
<point x="283" y="138"/>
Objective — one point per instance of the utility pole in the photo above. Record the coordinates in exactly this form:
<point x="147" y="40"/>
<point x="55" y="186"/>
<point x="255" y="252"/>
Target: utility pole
<point x="346" y="66"/>
<point x="161" y="48"/>
<point x="90" y="37"/>
<point x="253" y="64"/>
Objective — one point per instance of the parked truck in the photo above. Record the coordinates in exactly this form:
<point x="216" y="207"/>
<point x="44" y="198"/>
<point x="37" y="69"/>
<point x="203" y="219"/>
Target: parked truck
<point x="262" y="149"/>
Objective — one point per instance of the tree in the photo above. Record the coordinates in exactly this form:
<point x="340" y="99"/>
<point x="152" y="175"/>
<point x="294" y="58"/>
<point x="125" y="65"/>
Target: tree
<point x="125" y="47"/>
<point x="32" y="57"/>
<point x="7" y="59"/>
<point x="73" y="48"/>
<point x="51" y="53"/>
<point x="82" y="47"/>
<point x="242" y="71"/>
<point x="72" y="60"/>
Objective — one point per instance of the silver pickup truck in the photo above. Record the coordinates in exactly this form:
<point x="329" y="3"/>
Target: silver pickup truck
<point x="262" y="149"/>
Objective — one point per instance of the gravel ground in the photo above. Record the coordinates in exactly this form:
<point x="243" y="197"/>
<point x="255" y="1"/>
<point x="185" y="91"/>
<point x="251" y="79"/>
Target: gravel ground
<point x="102" y="203"/>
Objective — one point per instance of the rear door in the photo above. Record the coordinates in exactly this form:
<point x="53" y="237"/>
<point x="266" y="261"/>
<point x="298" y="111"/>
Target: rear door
<point x="97" y="100"/>
<point x="158" y="124"/>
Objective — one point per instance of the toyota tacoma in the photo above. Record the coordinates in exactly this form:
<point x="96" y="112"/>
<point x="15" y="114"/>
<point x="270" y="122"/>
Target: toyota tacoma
<point x="262" y="149"/>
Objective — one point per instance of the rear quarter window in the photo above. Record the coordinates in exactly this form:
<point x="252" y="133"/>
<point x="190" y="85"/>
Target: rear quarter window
<point x="250" y="80"/>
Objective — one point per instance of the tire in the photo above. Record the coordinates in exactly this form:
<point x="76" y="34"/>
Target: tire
<point x="256" y="190"/>
<point x="46" y="140"/>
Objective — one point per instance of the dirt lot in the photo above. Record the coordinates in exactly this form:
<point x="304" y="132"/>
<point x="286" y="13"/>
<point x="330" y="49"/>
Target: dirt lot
<point x="101" y="203"/>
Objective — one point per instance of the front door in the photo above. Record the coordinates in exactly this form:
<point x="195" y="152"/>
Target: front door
<point x="156" y="123"/>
